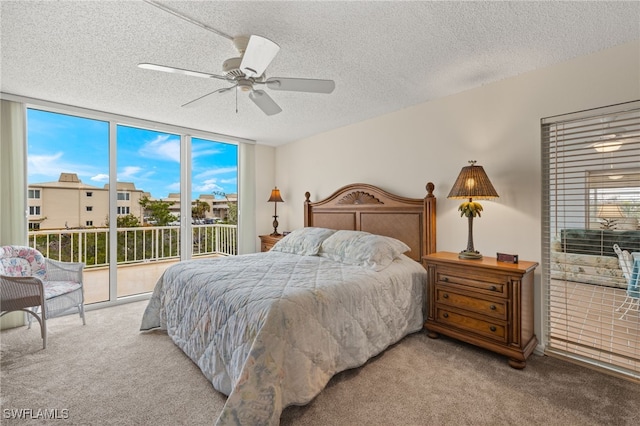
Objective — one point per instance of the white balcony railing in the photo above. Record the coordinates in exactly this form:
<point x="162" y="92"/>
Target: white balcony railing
<point x="135" y="245"/>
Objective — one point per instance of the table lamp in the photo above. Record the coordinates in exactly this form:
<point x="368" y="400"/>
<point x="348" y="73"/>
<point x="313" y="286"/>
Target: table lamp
<point x="609" y="214"/>
<point x="472" y="183"/>
<point x="275" y="199"/>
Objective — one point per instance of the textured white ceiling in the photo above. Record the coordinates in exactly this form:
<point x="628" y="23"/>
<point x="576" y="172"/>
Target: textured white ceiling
<point x="383" y="56"/>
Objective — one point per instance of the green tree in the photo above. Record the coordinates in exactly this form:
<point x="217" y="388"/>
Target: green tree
<point x="158" y="211"/>
<point x="199" y="209"/>
<point x="127" y="221"/>
<point x="232" y="213"/>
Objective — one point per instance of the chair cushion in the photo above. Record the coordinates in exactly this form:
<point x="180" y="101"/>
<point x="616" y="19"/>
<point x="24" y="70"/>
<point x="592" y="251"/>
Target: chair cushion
<point x="22" y="261"/>
<point x="56" y="288"/>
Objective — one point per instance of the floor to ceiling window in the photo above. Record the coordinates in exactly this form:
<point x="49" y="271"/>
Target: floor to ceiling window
<point x="67" y="169"/>
<point x="93" y="181"/>
<point x="214" y="195"/>
<point x="148" y="206"/>
<point x="591" y="199"/>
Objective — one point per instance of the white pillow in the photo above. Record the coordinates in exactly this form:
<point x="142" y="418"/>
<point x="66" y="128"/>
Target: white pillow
<point x="303" y="241"/>
<point x="363" y="249"/>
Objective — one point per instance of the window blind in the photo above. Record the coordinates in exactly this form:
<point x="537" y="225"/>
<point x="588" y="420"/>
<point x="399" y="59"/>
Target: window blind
<point x="591" y="202"/>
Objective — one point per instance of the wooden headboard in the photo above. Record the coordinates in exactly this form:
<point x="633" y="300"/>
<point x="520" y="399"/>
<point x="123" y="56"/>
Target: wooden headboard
<point x="364" y="207"/>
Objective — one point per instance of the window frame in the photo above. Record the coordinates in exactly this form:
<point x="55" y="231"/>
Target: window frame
<point x="573" y="168"/>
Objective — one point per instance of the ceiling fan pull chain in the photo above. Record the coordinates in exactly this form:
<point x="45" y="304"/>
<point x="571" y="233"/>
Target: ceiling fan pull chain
<point x="236" y="100"/>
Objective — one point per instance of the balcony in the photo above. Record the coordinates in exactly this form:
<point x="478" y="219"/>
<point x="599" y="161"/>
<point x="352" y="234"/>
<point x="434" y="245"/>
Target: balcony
<point x="143" y="253"/>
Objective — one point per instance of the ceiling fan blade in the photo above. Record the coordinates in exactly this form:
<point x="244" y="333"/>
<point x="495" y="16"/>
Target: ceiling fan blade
<point x="258" y="55"/>
<point x="264" y="102"/>
<point x="301" y="84"/>
<point x="174" y="70"/>
<point x="195" y="101"/>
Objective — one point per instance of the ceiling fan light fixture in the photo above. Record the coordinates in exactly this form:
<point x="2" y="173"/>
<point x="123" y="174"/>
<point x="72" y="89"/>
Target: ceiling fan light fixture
<point x="609" y="146"/>
<point x="245" y="85"/>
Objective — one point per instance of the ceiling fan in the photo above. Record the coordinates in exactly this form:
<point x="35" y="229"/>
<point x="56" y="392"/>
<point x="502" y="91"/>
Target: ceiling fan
<point x="246" y="74"/>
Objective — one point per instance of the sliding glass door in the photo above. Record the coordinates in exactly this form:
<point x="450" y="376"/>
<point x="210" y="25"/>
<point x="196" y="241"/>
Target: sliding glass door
<point x="147" y="207"/>
<point x="591" y="199"/>
<point x="68" y="195"/>
<point x="214" y="195"/>
<point x="127" y="200"/>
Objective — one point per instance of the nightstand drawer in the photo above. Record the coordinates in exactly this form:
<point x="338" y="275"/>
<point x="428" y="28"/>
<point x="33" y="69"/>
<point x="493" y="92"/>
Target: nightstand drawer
<point x="485" y="282"/>
<point x="268" y="241"/>
<point x="495" y="330"/>
<point x="493" y="308"/>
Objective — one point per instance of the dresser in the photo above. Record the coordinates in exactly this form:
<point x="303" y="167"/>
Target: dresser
<point x="267" y="241"/>
<point x="483" y="302"/>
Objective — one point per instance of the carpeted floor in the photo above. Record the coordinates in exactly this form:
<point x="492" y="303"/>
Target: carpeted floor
<point x="108" y="373"/>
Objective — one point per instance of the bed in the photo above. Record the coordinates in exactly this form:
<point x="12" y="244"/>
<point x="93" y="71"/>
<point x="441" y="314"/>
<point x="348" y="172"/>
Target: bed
<point x="270" y="329"/>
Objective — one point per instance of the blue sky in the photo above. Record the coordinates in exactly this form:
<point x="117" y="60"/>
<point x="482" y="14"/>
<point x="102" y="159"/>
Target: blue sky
<point x="60" y="143"/>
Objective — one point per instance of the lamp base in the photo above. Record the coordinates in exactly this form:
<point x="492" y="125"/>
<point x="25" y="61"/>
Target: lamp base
<point x="465" y="254"/>
<point x="275" y="234"/>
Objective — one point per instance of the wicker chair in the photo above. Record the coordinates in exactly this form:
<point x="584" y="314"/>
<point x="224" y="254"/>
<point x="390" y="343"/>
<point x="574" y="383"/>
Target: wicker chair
<point x="632" y="301"/>
<point x="42" y="287"/>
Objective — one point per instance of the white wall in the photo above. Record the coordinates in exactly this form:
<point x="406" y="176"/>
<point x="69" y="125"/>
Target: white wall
<point x="498" y="125"/>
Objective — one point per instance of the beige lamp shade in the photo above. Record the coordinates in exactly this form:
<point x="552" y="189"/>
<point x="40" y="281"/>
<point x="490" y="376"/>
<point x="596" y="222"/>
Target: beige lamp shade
<point x="275" y="196"/>
<point x="610" y="211"/>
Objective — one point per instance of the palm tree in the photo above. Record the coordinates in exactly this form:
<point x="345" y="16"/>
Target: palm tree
<point x="199" y="209"/>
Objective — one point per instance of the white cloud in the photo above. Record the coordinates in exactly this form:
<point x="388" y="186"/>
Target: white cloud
<point x="128" y="172"/>
<point x="175" y="187"/>
<point x="100" y="177"/>
<point x="44" y="164"/>
<point x="50" y="166"/>
<point x="216" y="172"/>
<point x="199" y="152"/>
<point x="163" y="147"/>
<point x="207" y="186"/>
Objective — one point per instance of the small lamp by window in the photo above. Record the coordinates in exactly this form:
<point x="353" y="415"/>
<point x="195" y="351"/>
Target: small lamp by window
<point x="472" y="183"/>
<point x="275" y="199"/>
<point x="609" y="215"/>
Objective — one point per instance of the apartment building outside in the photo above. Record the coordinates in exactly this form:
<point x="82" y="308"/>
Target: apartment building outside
<point x="69" y="203"/>
<point x="218" y="208"/>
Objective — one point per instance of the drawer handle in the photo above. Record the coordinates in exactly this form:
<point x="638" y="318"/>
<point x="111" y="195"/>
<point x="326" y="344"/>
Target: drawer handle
<point x="446" y="315"/>
<point x="492" y="307"/>
<point x="492" y="328"/>
<point x="493" y="288"/>
<point x="445" y="279"/>
<point x="446" y="296"/>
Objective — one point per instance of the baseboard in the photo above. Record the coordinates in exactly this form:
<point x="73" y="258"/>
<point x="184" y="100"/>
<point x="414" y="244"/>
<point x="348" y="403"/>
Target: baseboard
<point x="12" y="320"/>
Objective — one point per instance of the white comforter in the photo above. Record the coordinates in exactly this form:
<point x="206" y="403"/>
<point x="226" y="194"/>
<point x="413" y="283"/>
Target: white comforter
<point x="270" y="329"/>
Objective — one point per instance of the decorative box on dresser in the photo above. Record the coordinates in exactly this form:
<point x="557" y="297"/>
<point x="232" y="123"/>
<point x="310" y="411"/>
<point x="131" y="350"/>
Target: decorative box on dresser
<point x="268" y="241"/>
<point x="483" y="302"/>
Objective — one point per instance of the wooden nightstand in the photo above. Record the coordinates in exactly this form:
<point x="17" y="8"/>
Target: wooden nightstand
<point x="483" y="302"/>
<point x="267" y="241"/>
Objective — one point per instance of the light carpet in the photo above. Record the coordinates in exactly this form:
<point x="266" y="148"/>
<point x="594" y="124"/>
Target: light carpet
<point x="109" y="373"/>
